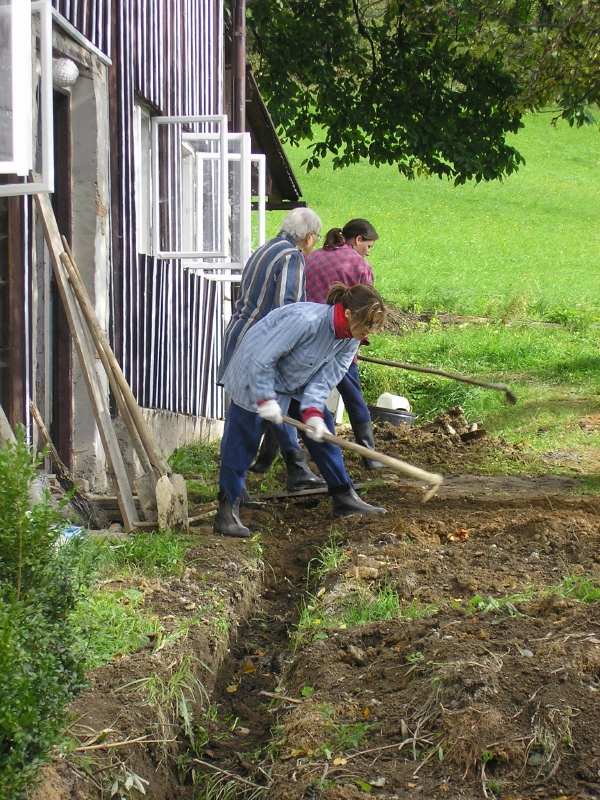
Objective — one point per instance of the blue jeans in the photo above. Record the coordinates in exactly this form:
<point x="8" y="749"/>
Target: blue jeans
<point x="241" y="438"/>
<point x="351" y="393"/>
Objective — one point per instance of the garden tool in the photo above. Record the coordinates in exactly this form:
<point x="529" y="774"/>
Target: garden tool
<point x="162" y="493"/>
<point x="500" y="387"/>
<point x="431" y="479"/>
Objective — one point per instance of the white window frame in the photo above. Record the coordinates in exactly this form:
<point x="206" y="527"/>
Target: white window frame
<point x="23" y="101"/>
<point x="219" y="137"/>
<point x="142" y="137"/>
<point x="215" y="264"/>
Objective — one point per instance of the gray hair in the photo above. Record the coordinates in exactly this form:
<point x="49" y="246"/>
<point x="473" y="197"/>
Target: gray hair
<point x="299" y="223"/>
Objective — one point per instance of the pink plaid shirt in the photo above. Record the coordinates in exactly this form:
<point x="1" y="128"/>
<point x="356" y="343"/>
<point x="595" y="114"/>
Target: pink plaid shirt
<point x="340" y="265"/>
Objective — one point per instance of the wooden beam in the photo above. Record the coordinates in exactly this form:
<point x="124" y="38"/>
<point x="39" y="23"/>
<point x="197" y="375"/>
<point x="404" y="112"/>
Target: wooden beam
<point x="85" y="353"/>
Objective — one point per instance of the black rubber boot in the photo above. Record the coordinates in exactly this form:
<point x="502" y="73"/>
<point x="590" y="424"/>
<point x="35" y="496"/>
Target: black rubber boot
<point x="228" y="522"/>
<point x="268" y="452"/>
<point x="348" y="502"/>
<point x="299" y="475"/>
<point x="246" y="500"/>
<point x="363" y="434"/>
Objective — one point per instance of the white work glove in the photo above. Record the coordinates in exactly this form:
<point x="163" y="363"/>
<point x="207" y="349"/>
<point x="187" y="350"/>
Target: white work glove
<point x="270" y="411"/>
<point x="316" y="429"/>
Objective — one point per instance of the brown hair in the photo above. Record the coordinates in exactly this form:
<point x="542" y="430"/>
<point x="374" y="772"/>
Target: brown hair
<point x="352" y="229"/>
<point x="365" y="303"/>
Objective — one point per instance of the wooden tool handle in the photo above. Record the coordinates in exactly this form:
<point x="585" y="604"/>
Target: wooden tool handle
<point x="156" y="458"/>
<point x="433" y="480"/>
<point x="500" y="387"/>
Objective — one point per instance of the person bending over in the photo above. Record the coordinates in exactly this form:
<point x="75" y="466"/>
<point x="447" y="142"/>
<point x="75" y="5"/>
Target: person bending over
<point x="288" y="363"/>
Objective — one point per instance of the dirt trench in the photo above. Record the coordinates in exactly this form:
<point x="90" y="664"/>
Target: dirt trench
<point x="462" y="696"/>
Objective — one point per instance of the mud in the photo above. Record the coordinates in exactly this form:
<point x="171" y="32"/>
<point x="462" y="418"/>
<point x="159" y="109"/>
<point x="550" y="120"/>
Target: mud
<point x="460" y="696"/>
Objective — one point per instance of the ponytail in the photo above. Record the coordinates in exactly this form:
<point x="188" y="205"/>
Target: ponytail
<point x="365" y="303"/>
<point x="333" y="239"/>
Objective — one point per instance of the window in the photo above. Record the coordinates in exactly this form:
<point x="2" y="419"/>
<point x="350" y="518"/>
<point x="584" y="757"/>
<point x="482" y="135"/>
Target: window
<point x="201" y="194"/>
<point x="17" y="125"/>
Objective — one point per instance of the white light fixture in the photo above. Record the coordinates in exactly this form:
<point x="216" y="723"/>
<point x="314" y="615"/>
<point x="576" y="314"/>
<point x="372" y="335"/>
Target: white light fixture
<point x="64" y="72"/>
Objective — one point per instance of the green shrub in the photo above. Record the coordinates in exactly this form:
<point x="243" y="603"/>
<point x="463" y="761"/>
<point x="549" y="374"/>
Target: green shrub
<point x="40" y="663"/>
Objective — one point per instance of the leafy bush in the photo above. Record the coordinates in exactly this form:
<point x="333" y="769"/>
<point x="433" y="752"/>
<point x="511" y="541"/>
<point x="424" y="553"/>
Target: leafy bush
<point x="40" y="665"/>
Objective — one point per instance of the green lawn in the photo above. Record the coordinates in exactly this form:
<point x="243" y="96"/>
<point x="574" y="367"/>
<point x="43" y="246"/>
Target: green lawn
<point x="520" y="252"/>
<point x="529" y="243"/>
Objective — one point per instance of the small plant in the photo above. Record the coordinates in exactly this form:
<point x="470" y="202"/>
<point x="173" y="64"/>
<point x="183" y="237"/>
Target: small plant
<point x="178" y="695"/>
<point x="123" y="784"/>
<point x="331" y="556"/>
<point x="415" y="658"/>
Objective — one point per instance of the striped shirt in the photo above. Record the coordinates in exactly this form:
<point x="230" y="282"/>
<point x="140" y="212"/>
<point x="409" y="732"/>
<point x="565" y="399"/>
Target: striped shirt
<point x="342" y="265"/>
<point x="273" y="277"/>
<point x="292" y="352"/>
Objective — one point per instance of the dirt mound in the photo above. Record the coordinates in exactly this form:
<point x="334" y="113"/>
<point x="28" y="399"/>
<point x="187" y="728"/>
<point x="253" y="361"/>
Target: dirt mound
<point x="485" y="683"/>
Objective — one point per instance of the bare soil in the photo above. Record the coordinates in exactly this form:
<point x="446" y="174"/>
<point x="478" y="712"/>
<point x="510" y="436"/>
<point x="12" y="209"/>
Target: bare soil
<point x="472" y="699"/>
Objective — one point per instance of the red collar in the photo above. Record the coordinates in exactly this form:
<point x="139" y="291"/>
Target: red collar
<point x="340" y="323"/>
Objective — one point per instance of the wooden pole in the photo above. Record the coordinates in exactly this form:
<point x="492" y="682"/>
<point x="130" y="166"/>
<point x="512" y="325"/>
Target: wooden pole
<point x="433" y="480"/>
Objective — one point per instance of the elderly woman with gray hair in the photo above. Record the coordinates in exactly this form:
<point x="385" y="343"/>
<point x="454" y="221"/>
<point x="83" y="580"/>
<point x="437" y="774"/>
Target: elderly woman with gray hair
<point x="274" y="277"/>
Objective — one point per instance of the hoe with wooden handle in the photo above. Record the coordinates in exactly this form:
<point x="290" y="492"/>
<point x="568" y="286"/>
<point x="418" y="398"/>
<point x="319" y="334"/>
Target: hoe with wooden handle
<point x="430" y="478"/>
<point x="499" y="387"/>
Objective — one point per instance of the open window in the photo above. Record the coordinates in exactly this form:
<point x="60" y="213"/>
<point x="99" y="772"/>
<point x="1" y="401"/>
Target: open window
<point x="26" y="128"/>
<point x="202" y="194"/>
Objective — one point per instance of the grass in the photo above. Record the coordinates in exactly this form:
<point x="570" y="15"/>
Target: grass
<point x="178" y="695"/>
<point x="145" y="555"/>
<point x="478" y="249"/>
<point x="112" y="624"/>
<point x="519" y="253"/>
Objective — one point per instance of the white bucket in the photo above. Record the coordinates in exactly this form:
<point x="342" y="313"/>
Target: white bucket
<point x="395" y="402"/>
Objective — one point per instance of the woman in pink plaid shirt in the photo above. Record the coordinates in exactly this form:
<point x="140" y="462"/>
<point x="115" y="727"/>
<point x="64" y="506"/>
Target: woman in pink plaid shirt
<point x="342" y="260"/>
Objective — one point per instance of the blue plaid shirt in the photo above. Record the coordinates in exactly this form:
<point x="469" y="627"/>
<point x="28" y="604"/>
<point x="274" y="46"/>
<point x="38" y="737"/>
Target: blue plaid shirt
<point x="292" y="352"/>
<point x="273" y="277"/>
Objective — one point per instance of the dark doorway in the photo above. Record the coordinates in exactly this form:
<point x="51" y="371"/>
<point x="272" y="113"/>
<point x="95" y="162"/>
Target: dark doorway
<point x="13" y="357"/>
<point x="61" y="422"/>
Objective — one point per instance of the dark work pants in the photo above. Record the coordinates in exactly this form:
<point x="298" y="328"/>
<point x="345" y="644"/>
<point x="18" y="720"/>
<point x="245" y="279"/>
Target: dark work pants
<point x="241" y="438"/>
<point x="351" y="393"/>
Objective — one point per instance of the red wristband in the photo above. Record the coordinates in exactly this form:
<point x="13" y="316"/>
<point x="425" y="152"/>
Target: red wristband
<point x="311" y="412"/>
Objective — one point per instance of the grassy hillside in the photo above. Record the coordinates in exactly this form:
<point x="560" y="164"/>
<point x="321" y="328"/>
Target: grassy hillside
<point x="531" y="242"/>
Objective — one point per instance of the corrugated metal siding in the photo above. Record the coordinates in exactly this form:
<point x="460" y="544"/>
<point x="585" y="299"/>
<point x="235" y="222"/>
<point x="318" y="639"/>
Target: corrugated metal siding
<point x="92" y="18"/>
<point x="167" y="324"/>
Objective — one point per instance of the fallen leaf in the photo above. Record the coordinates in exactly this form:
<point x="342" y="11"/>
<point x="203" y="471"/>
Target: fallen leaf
<point x="525" y="652"/>
<point x="232" y="689"/>
<point x="460" y="535"/>
<point x="295" y="753"/>
<point x="249" y="669"/>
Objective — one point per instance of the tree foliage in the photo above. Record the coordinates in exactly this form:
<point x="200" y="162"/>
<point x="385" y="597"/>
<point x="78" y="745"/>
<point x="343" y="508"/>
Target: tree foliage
<point x="429" y="86"/>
